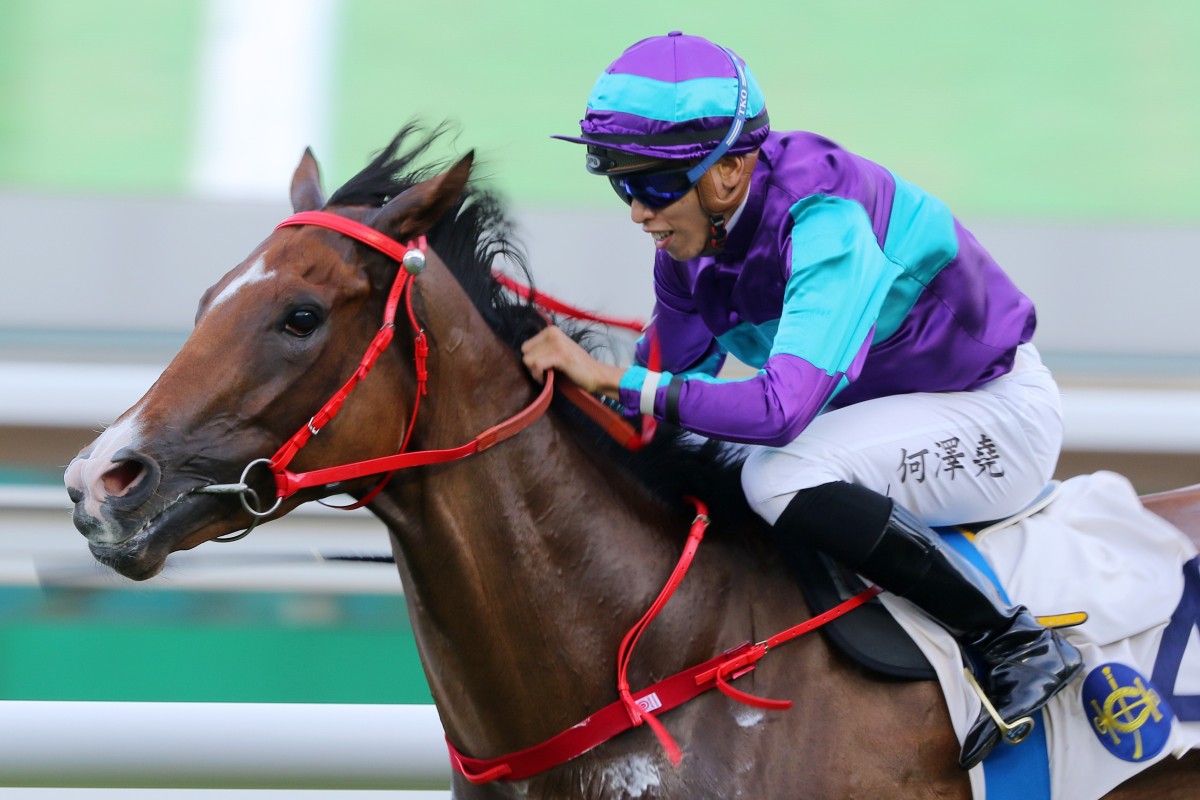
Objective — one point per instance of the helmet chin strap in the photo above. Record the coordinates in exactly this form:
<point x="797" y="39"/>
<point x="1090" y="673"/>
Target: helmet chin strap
<point x="717" y="232"/>
<point x="716" y="209"/>
<point x="716" y="235"/>
<point x="716" y="221"/>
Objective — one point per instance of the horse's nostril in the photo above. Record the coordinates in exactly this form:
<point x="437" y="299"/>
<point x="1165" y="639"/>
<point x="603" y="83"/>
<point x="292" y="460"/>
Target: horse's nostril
<point x="119" y="480"/>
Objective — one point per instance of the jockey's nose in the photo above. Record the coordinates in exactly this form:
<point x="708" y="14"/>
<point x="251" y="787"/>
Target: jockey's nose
<point x="639" y="212"/>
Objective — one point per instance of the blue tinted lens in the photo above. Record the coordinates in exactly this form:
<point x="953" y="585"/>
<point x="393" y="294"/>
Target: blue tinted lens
<point x="652" y="189"/>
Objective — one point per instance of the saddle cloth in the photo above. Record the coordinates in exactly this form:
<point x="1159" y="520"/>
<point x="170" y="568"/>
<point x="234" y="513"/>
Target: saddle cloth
<point x="1094" y="548"/>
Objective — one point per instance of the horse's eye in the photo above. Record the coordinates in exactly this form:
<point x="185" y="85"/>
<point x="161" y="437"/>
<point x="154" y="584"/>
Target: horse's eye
<point x="302" y="322"/>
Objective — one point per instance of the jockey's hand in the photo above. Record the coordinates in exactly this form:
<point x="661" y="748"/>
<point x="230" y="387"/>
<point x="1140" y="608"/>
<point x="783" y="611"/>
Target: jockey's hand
<point x="553" y="349"/>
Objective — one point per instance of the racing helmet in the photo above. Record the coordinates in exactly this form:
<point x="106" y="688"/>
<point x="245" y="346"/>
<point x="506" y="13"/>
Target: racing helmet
<point x="673" y="98"/>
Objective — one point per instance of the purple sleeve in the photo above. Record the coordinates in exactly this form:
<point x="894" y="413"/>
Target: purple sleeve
<point x="770" y="408"/>
<point x="837" y="285"/>
<point x="685" y="342"/>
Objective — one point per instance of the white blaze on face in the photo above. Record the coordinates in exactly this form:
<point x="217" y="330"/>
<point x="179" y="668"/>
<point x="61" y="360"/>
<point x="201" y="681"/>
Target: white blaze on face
<point x="253" y="274"/>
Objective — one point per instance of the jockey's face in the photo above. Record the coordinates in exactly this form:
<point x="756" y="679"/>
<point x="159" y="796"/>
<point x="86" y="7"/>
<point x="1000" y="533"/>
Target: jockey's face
<point x="681" y="229"/>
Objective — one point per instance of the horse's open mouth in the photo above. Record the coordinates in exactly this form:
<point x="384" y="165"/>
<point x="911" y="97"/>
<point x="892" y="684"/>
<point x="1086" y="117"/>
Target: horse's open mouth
<point x="179" y="525"/>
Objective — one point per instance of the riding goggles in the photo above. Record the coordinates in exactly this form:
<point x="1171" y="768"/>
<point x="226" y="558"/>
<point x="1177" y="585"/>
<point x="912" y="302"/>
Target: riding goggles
<point x="660" y="189"/>
<point x="655" y="190"/>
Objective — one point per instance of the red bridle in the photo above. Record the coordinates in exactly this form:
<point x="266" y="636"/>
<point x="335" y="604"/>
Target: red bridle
<point x="287" y="483"/>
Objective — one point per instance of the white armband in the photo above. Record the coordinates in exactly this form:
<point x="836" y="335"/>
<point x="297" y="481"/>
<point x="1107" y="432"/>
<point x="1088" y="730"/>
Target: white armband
<point x="649" y="388"/>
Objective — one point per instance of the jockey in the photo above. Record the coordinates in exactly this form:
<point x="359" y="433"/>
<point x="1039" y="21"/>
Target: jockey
<point x="896" y="385"/>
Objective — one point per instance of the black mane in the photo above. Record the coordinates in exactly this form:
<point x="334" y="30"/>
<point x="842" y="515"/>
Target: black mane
<point x="475" y="237"/>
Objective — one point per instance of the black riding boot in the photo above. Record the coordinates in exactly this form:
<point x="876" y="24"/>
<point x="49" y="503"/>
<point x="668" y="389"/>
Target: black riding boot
<point x="1021" y="664"/>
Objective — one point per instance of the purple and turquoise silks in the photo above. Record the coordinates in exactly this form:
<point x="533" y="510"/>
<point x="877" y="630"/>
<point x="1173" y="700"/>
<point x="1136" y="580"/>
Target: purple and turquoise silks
<point x="840" y="282"/>
<point x="672" y="97"/>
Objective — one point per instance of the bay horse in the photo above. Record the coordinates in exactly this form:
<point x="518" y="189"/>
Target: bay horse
<point x="524" y="565"/>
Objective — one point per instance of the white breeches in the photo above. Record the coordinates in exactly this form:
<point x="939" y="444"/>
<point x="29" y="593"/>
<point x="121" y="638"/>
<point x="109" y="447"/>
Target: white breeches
<point x="948" y="457"/>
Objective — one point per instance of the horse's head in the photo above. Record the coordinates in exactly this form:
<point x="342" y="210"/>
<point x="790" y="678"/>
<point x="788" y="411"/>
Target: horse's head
<point x="274" y="339"/>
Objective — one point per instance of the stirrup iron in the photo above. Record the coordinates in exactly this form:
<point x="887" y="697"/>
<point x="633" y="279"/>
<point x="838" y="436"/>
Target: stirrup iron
<point x="1013" y="733"/>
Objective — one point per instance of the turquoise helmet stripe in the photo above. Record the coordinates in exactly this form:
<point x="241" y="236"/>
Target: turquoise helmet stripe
<point x="671" y="102"/>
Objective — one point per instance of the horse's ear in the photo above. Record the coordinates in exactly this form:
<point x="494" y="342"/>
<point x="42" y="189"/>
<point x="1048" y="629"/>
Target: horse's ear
<point x="414" y="211"/>
<point x="306" y="185"/>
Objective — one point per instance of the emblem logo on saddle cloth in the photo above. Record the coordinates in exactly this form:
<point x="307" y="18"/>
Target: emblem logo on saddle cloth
<point x="1127" y="711"/>
<point x="1132" y="715"/>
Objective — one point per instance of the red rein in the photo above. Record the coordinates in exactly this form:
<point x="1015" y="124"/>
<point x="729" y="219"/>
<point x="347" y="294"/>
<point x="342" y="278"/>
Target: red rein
<point x="632" y="709"/>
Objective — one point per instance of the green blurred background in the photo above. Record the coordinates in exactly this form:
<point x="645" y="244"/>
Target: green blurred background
<point x="1081" y="111"/>
<point x="1073" y="109"/>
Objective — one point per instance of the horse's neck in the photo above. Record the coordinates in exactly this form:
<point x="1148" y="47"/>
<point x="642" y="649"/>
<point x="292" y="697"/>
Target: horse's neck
<point x="522" y="566"/>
